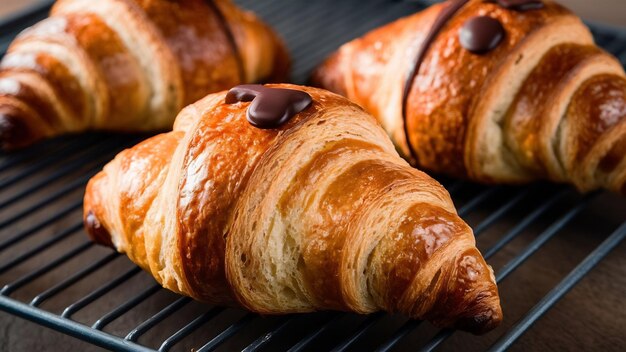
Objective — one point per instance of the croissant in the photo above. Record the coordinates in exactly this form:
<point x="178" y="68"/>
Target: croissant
<point x="291" y="213"/>
<point x="128" y="65"/>
<point x="506" y="91"/>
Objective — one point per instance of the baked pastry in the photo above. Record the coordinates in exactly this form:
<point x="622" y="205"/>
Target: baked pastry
<point x="505" y="91"/>
<point x="128" y="65"/>
<point x="312" y="209"/>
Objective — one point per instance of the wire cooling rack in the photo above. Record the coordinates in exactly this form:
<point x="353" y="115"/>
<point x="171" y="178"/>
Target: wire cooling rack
<point x="541" y="239"/>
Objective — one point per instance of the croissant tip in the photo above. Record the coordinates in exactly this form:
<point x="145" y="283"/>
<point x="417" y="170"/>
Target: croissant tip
<point x="481" y="323"/>
<point x="14" y="132"/>
<point x="95" y="230"/>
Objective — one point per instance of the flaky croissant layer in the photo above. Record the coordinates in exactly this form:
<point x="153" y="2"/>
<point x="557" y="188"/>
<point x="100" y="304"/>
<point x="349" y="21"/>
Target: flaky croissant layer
<point x="318" y="214"/>
<point x="543" y="102"/>
<point x="128" y="65"/>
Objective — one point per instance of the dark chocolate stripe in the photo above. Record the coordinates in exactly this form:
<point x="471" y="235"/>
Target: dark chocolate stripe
<point x="231" y="38"/>
<point x="444" y="16"/>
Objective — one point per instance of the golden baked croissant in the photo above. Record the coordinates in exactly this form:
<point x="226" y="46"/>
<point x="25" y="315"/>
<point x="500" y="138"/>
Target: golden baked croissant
<point x="310" y="213"/>
<point x="496" y="91"/>
<point x="128" y="65"/>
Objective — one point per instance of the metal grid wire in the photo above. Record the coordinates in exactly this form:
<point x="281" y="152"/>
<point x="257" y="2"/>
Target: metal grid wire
<point x="51" y="274"/>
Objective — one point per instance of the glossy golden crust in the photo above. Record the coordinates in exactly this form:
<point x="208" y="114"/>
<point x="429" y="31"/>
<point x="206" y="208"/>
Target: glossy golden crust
<point x="321" y="213"/>
<point x="128" y="65"/>
<point x="503" y="116"/>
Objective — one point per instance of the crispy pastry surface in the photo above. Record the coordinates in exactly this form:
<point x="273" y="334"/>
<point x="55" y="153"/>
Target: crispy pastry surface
<point x="128" y="65"/>
<point x="546" y="103"/>
<point x="321" y="213"/>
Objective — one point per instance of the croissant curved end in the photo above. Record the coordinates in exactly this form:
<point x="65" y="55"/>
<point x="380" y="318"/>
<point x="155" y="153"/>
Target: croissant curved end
<point x="15" y="133"/>
<point x="479" y="324"/>
<point x="95" y="230"/>
<point x="483" y="314"/>
<point x="468" y="298"/>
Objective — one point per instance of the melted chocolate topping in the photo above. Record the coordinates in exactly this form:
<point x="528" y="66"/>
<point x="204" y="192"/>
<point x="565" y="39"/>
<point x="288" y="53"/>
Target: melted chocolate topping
<point x="520" y="5"/>
<point x="230" y="36"/>
<point x="481" y="34"/>
<point x="271" y="107"/>
<point x="444" y="16"/>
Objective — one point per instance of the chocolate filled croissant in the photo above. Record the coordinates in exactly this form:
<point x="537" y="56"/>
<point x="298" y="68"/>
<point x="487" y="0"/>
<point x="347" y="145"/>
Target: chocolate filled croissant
<point x="505" y="91"/>
<point x="313" y="209"/>
<point x="128" y="65"/>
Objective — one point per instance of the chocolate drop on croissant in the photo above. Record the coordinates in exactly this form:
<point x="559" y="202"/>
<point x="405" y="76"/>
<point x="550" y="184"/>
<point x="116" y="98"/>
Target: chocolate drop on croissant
<point x="544" y="103"/>
<point x="320" y="213"/>
<point x="128" y="65"/>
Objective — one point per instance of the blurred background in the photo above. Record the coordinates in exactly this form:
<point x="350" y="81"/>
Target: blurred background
<point x="607" y="11"/>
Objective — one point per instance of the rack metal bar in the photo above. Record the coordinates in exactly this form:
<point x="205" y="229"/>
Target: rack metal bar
<point x="125" y="307"/>
<point x="500" y="212"/>
<point x="226" y="334"/>
<point x="269" y="336"/>
<point x="157" y="318"/>
<point x="36" y="186"/>
<point x="67" y="169"/>
<point x="189" y="328"/>
<point x="40" y="247"/>
<point x="9" y="288"/>
<point x="439" y="338"/>
<point x="302" y="344"/>
<point x="69" y="327"/>
<point x="522" y="225"/>
<point x="99" y="292"/>
<point x="48" y="148"/>
<point x="40" y="149"/>
<point x="370" y="321"/>
<point x="561" y="289"/>
<point x="398" y="335"/>
<point x="477" y="200"/>
<point x="31" y="231"/>
<point x="40" y="298"/>
<point x="52" y="159"/>
<point x="543" y="238"/>
<point x="60" y="193"/>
